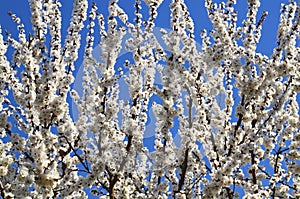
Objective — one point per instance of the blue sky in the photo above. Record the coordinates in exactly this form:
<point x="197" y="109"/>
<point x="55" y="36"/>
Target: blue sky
<point x="196" y="8"/>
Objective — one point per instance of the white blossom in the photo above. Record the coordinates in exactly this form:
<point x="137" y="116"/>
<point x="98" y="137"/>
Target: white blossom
<point x="225" y="117"/>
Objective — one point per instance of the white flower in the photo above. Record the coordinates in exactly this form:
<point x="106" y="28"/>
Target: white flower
<point x="154" y="3"/>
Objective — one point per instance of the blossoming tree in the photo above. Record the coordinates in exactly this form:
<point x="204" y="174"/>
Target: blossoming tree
<point x="251" y="144"/>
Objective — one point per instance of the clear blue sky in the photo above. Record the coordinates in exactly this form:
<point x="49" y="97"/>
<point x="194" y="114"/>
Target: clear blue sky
<point x="196" y="8"/>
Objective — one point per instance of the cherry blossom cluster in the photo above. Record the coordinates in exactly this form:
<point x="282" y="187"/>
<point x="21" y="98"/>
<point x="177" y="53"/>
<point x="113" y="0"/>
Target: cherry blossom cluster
<point x="250" y="142"/>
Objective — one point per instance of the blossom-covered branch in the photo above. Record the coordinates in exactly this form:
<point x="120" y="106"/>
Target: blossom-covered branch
<point x="249" y="143"/>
